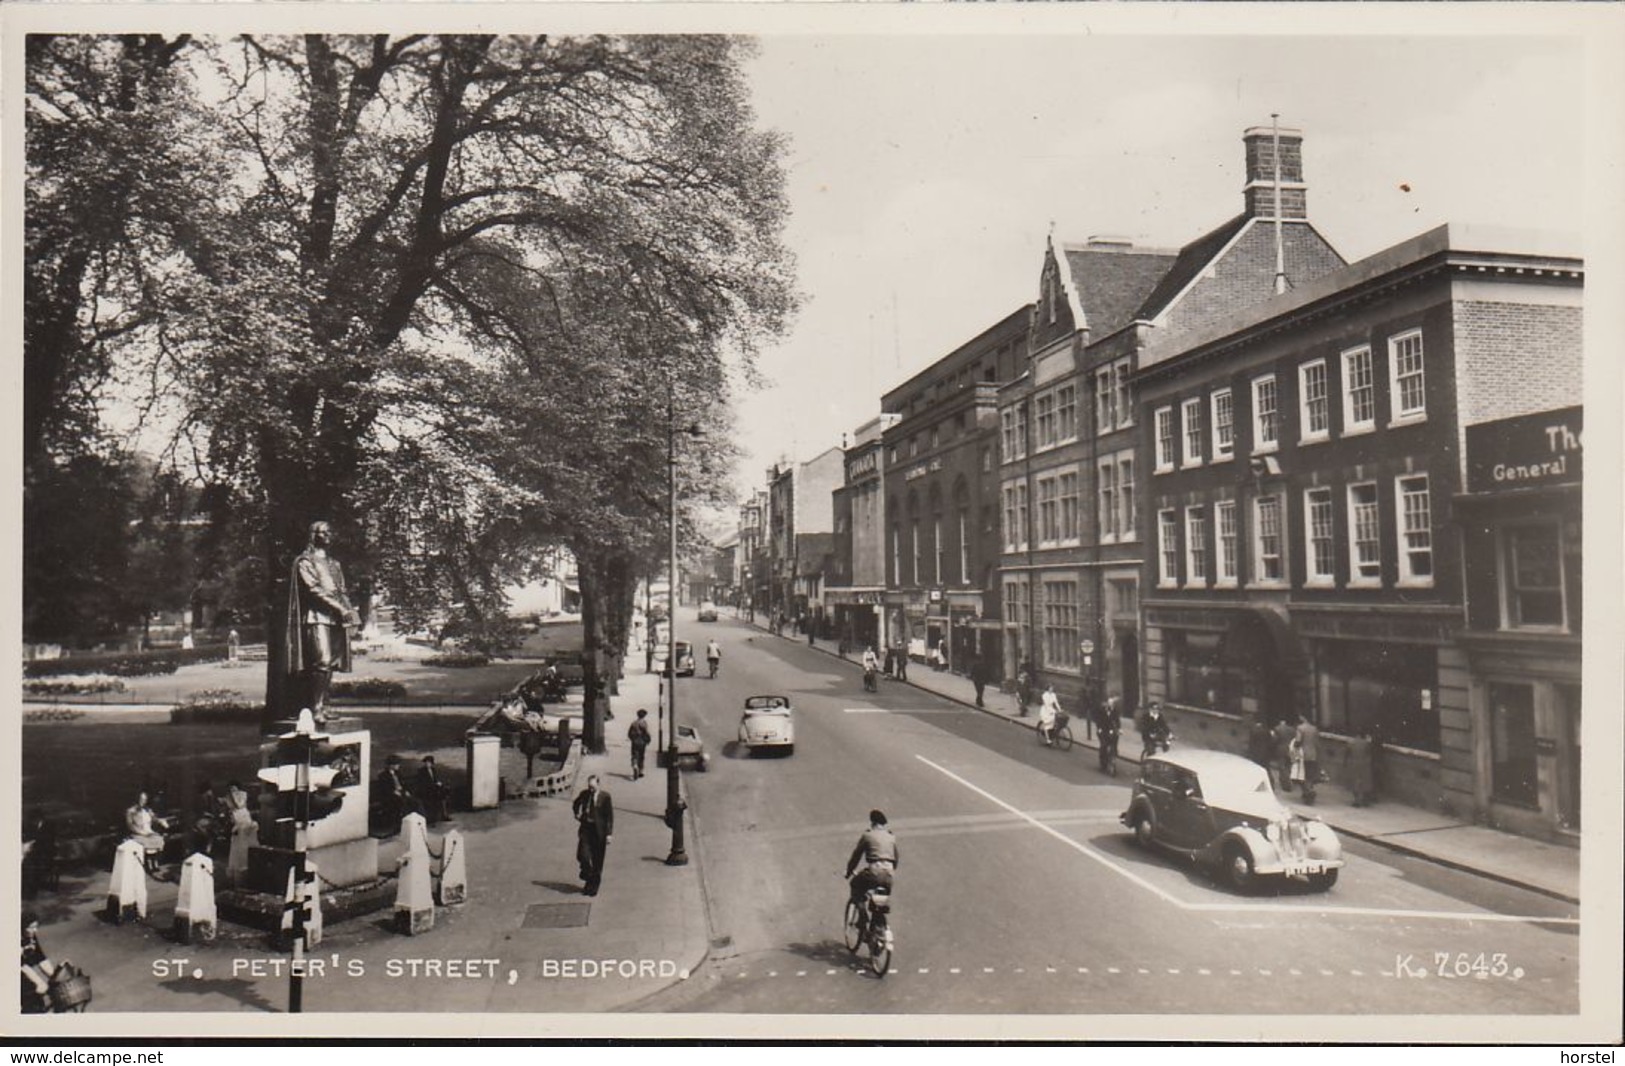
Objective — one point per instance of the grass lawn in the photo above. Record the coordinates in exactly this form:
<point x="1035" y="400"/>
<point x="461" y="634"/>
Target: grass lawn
<point x="84" y="773"/>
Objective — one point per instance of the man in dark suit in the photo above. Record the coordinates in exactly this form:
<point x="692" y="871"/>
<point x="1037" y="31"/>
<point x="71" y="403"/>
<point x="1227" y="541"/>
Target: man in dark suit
<point x="595" y="813"/>
<point x="393" y="800"/>
<point x="431" y="791"/>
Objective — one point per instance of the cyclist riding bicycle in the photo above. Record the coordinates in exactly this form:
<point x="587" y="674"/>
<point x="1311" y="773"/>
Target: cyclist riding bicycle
<point x="876" y="850"/>
<point x="713" y="656"/>
<point x="1049" y="706"/>
<point x="871" y="665"/>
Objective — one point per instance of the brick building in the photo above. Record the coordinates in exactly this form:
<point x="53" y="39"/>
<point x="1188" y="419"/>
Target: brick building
<point x="858" y="582"/>
<point x="941" y="497"/>
<point x="1321" y="544"/>
<point x="798" y="504"/>
<point x="1071" y="450"/>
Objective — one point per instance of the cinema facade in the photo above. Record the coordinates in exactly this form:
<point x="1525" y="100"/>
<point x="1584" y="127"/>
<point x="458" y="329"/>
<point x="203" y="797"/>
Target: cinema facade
<point x="1363" y="502"/>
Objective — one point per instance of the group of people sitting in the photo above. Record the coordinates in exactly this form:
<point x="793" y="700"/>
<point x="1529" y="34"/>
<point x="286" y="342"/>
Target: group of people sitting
<point x="428" y="795"/>
<point x="207" y="828"/>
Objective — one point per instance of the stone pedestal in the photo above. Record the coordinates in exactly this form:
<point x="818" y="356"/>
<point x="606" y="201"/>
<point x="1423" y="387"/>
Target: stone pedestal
<point x="484" y="774"/>
<point x="453" y="871"/>
<point x="414" y="893"/>
<point x="127" y="891"/>
<point x="194" y="907"/>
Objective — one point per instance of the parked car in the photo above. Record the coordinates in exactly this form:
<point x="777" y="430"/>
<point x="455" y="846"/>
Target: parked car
<point x="708" y="611"/>
<point x="1219" y="810"/>
<point x="690" y="749"/>
<point x="768" y="724"/>
<point x="685" y="658"/>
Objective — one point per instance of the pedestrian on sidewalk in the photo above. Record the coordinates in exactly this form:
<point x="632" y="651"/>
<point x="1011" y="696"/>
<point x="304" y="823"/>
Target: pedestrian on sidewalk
<point x="902" y="661"/>
<point x="1024" y="689"/>
<point x="1362" y="776"/>
<point x="595" y="816"/>
<point x="978" y="677"/>
<point x="638" y="734"/>
<point x="1284" y="735"/>
<point x="1309" y="746"/>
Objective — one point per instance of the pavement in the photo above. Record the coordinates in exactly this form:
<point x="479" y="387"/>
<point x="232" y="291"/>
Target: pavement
<point x="1550" y="869"/>
<point x="526" y="939"/>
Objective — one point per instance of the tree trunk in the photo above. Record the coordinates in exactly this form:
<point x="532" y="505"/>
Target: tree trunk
<point x="594" y="700"/>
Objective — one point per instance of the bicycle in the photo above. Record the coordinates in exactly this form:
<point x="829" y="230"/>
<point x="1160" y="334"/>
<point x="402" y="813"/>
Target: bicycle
<point x="1060" y="733"/>
<point x="868" y="924"/>
<point x="715" y="664"/>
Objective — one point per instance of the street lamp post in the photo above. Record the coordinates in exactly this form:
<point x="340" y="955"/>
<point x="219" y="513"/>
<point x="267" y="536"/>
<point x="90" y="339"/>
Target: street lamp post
<point x="674" y="801"/>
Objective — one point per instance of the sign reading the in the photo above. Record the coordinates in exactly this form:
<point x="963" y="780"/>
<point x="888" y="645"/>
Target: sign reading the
<point x="1525" y="452"/>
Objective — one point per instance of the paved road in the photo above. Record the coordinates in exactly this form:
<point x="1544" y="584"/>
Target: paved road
<point x="1018" y="891"/>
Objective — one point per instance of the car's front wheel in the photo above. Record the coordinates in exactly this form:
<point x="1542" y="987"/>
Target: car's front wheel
<point x="1238" y="867"/>
<point x="1144" y="829"/>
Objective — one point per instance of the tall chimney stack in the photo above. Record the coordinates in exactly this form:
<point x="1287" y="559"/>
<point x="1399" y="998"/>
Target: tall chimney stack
<point x="1260" y="188"/>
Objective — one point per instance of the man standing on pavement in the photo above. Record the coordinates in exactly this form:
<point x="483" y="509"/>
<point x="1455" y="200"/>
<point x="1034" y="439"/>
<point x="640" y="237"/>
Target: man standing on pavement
<point x="902" y="661"/>
<point x="1309" y="744"/>
<point x="1261" y="744"/>
<point x="638" y="734"/>
<point x="595" y="813"/>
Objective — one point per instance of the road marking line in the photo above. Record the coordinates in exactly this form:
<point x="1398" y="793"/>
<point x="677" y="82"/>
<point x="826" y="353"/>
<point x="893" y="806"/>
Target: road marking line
<point x="866" y="710"/>
<point x="1327" y="973"/>
<point x="1265" y="973"/>
<point x="1083" y="969"/>
<point x="1235" y="973"/>
<point x="829" y="972"/>
<point x="1047" y="969"/>
<point x="1173" y="971"/>
<point x="1295" y="973"/>
<point x="925" y="969"/>
<point x="987" y="969"/>
<point x="1205" y="973"/>
<point x="1244" y="908"/>
<point x="953" y="969"/>
<point x="801" y="973"/>
<point x="1356" y="973"/>
<point x="1113" y="969"/>
<point x="1143" y="970"/>
<point x="772" y="973"/>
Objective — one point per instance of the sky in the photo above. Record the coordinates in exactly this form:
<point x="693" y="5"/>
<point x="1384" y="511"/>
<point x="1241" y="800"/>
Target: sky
<point x="925" y="173"/>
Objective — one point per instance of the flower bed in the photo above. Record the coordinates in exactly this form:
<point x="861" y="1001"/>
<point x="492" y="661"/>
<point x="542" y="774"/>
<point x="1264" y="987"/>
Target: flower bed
<point x="216" y="705"/>
<point x="73" y="685"/>
<point x="458" y="659"/>
<point x="368" y="688"/>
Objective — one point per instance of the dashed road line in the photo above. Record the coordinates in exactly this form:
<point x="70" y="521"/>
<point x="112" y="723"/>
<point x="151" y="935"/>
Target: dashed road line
<point x="1247" y="908"/>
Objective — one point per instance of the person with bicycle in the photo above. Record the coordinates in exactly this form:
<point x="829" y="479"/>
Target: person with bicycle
<point x="873" y="860"/>
<point x="713" y="656"/>
<point x="1154" y="732"/>
<point x="1109" y="728"/>
<point x="871" y="664"/>
<point x="1049" y="708"/>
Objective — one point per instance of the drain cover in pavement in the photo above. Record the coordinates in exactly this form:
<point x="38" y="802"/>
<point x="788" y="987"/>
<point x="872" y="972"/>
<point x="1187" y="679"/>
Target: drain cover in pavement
<point x="555" y="915"/>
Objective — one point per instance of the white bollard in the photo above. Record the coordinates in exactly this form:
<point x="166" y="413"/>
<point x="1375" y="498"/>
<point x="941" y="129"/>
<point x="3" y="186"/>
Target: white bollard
<point x="194" y="907"/>
<point x="414" y="892"/>
<point x="453" y="871"/>
<point x="313" y="905"/>
<point x="127" y="892"/>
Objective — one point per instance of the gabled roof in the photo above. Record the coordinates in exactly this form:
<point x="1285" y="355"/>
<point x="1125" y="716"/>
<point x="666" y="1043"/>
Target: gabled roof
<point x="1106" y="283"/>
<point x="1192" y="260"/>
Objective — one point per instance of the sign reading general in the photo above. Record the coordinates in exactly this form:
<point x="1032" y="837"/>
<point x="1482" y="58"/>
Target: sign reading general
<point x="1525" y="452"/>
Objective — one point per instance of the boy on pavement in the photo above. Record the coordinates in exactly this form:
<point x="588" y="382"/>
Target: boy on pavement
<point x="638" y="734"/>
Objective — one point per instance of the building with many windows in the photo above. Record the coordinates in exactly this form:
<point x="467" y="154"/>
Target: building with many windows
<point x="1329" y="535"/>
<point x="858" y="582"/>
<point x="1074" y="445"/>
<point x="941" y="497"/>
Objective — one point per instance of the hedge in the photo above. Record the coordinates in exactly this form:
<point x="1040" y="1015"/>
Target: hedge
<point x="368" y="688"/>
<point x="125" y="663"/>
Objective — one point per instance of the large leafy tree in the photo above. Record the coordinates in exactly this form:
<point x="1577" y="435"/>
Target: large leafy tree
<point x="449" y="292"/>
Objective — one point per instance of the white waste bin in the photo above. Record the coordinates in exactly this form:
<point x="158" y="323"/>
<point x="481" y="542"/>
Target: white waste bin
<point x="484" y="771"/>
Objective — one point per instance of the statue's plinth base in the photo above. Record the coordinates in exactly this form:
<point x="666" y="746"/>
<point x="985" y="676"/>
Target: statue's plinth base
<point x="352" y="862"/>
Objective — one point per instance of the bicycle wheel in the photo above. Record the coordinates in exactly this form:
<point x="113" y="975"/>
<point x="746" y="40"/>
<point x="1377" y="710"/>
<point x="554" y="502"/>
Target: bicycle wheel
<point x="880" y="951"/>
<point x="1063" y="738"/>
<point x="854" y="928"/>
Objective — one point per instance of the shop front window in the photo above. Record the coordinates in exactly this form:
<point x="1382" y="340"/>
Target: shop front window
<point x="1197" y="677"/>
<point x="1390" y="689"/>
<point x="1512" y="744"/>
<point x="1534" y="576"/>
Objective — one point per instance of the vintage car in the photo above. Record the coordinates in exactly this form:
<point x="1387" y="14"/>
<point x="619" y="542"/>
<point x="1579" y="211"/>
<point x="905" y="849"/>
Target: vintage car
<point x="768" y="725"/>
<point x="1219" y="810"/>
<point x="685" y="658"/>
<point x="708" y="611"/>
<point x="690" y="749"/>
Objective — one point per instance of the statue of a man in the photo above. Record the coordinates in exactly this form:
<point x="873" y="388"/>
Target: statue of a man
<point x="319" y="620"/>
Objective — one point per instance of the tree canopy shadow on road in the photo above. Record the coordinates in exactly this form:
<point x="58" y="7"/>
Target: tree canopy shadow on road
<point x="244" y="992"/>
